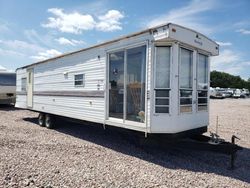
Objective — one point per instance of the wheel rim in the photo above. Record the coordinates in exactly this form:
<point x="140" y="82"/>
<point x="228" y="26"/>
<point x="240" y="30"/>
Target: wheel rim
<point x="40" y="119"/>
<point x="47" y="121"/>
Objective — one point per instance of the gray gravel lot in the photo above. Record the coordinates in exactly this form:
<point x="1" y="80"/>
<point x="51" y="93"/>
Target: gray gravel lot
<point x="76" y="155"/>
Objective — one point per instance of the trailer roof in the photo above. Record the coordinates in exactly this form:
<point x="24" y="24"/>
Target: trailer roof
<point x="112" y="41"/>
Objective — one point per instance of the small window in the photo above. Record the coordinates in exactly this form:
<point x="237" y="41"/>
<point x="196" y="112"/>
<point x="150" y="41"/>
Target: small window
<point x="80" y="80"/>
<point x="23" y="84"/>
<point x="29" y="77"/>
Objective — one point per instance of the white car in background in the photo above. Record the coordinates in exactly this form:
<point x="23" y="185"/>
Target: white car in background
<point x="237" y="93"/>
<point x="245" y="92"/>
<point x="216" y="93"/>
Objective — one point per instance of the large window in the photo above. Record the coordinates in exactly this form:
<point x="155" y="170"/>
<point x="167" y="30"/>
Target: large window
<point x="185" y="80"/>
<point x="7" y="79"/>
<point x="162" y="79"/>
<point x="202" y="82"/>
<point x="23" y="84"/>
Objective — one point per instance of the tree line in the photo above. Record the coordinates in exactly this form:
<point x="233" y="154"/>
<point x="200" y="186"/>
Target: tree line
<point x="225" y="80"/>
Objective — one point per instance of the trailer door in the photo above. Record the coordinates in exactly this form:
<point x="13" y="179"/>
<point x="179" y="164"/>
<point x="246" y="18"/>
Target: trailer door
<point x="127" y="81"/>
<point x="30" y="88"/>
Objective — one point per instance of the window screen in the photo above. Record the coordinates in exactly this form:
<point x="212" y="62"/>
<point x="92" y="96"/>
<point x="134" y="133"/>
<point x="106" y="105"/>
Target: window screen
<point x="23" y="84"/>
<point x="162" y="79"/>
<point x="185" y="80"/>
<point x="80" y="80"/>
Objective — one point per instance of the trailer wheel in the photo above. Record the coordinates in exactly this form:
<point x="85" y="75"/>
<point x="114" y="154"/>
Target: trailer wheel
<point x="49" y="121"/>
<point x="41" y="118"/>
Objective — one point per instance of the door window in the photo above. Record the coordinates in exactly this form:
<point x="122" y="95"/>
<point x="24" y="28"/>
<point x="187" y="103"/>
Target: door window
<point x="127" y="75"/>
<point x="136" y="70"/>
<point x="116" y="84"/>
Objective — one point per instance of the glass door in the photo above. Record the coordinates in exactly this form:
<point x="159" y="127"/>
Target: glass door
<point x="135" y="84"/>
<point x="116" y="84"/>
<point x="127" y="75"/>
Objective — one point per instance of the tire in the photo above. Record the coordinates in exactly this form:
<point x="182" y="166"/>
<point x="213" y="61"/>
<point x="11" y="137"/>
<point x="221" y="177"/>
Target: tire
<point x="49" y="121"/>
<point x="41" y="119"/>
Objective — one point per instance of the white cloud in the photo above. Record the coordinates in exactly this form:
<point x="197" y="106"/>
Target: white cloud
<point x="2" y="68"/>
<point x="225" y="57"/>
<point x="46" y="55"/>
<point x="224" y="43"/>
<point x="18" y="49"/>
<point x="3" y="28"/>
<point x="20" y="46"/>
<point x="244" y="31"/>
<point x="231" y="62"/>
<point x="110" y="21"/>
<point x="5" y="52"/>
<point x="72" y="42"/>
<point x="36" y="38"/>
<point x="69" y="23"/>
<point x="240" y="68"/>
<point x="76" y="22"/>
<point x="189" y="16"/>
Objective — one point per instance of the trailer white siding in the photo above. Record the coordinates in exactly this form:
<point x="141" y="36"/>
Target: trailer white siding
<point x="21" y="96"/>
<point x="58" y="76"/>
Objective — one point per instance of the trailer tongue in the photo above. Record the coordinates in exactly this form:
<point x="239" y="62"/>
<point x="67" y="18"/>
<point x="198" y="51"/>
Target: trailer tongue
<point x="211" y="143"/>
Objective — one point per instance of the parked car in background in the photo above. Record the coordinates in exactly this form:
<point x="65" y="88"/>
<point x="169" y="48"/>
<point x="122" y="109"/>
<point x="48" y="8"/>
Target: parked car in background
<point x="224" y="92"/>
<point x="216" y="93"/>
<point x="7" y="88"/>
<point x="245" y="92"/>
<point x="237" y="93"/>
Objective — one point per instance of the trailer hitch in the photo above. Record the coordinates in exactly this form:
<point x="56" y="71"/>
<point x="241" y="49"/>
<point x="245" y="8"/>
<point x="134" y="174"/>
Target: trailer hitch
<point x="215" y="139"/>
<point x="234" y="154"/>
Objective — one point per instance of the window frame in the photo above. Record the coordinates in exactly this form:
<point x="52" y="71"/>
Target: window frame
<point x="124" y="49"/>
<point x="163" y="89"/>
<point x="24" y="87"/>
<point x="77" y="80"/>
<point x="179" y="82"/>
<point x="202" y="90"/>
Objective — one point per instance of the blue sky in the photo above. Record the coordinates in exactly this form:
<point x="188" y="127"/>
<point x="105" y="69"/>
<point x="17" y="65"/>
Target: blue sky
<point x="34" y="30"/>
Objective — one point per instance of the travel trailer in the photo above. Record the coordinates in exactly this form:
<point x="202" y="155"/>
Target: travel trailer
<point x="153" y="81"/>
<point x="7" y="88"/>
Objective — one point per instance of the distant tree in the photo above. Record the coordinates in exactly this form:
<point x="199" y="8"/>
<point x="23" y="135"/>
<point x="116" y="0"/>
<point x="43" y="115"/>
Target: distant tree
<point x="225" y="80"/>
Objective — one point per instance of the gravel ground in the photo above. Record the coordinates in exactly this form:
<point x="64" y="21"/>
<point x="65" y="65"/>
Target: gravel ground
<point x="86" y="156"/>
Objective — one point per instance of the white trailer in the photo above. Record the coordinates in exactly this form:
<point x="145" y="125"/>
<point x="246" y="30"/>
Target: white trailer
<point x="7" y="87"/>
<point x="153" y="81"/>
